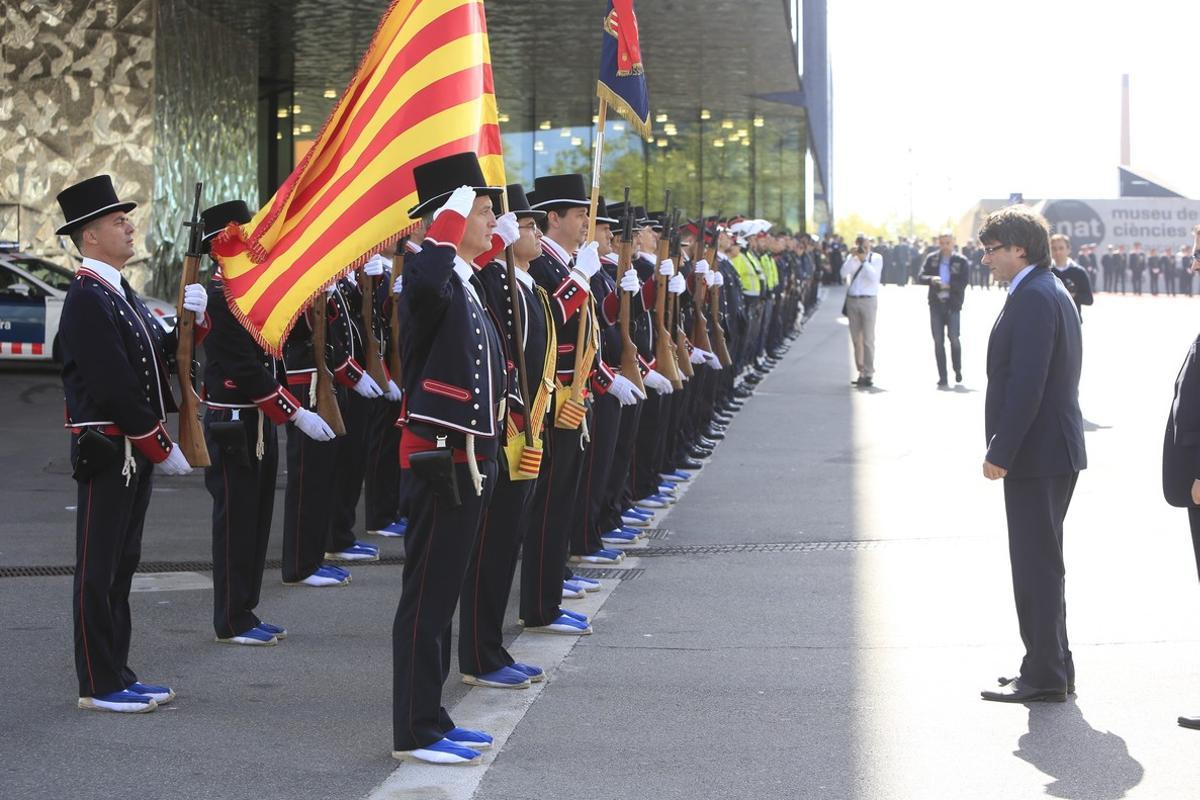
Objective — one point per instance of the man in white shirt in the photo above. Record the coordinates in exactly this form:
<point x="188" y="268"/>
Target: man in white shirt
<point x="863" y="269"/>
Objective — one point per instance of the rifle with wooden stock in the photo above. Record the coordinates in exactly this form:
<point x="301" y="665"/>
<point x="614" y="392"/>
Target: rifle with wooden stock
<point x="191" y="432"/>
<point x="683" y="354"/>
<point x="327" y="405"/>
<point x="394" y="365"/>
<point x="374" y="365"/>
<point x="664" y="346"/>
<point x="720" y="346"/>
<point x="700" y="290"/>
<point x="629" y="364"/>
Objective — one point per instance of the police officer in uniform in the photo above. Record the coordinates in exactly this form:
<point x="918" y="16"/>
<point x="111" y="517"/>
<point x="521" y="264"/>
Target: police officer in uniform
<point x="115" y="359"/>
<point x="246" y="397"/>
<point x="454" y="384"/>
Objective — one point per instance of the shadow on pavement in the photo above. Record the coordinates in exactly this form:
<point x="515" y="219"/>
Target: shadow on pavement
<point x="1086" y="764"/>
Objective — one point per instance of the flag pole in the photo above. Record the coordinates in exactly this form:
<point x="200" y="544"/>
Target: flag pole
<point x="597" y="163"/>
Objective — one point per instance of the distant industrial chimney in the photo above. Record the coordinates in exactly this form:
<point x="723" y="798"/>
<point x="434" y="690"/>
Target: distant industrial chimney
<point x="1125" y="120"/>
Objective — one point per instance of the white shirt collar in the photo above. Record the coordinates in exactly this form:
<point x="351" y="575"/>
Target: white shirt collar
<point x="1020" y="276"/>
<point x="109" y="274"/>
<point x="556" y="250"/>
<point x="524" y="277"/>
<point x="464" y="271"/>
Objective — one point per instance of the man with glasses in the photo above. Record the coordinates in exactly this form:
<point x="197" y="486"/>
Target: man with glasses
<point x="946" y="273"/>
<point x="1034" y="432"/>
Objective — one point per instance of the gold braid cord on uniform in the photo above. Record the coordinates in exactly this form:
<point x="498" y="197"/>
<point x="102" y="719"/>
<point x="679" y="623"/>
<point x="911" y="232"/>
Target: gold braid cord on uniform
<point x="570" y="409"/>
<point x="525" y="460"/>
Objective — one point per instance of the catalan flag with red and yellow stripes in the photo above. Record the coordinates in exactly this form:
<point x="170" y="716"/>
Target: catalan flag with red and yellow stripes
<point x="424" y="90"/>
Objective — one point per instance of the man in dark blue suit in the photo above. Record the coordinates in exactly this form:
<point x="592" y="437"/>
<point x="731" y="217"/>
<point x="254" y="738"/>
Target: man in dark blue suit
<point x="1035" y="442"/>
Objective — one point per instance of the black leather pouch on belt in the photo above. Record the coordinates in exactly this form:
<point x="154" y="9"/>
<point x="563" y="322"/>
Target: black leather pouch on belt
<point x="231" y="438"/>
<point x="436" y="467"/>
<point x="94" y="452"/>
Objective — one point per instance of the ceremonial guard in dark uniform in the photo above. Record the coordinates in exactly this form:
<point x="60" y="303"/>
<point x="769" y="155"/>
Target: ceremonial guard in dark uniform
<point x="246" y="395"/>
<point x="567" y="279"/>
<point x="309" y="502"/>
<point x="454" y="384"/>
<point x="482" y="658"/>
<point x="115" y="366"/>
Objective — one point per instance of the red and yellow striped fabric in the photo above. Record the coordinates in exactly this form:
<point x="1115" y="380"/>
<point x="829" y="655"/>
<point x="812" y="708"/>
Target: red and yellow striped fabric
<point x="424" y="90"/>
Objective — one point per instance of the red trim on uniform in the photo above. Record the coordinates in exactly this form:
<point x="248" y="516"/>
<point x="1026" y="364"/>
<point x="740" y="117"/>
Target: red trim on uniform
<point x="566" y="348"/>
<point x="411" y="443"/>
<point x="448" y="228"/>
<point x="16" y="348"/>
<point x="611" y="306"/>
<point x="87" y="527"/>
<point x="486" y="258"/>
<point x="38" y="347"/>
<point x="446" y="390"/>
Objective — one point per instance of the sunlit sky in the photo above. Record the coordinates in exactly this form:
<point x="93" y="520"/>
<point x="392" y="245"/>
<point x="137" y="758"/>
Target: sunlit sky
<point x="1010" y="96"/>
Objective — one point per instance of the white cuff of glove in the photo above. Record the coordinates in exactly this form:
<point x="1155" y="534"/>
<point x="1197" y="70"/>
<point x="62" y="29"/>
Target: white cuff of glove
<point x="374" y="266"/>
<point x="312" y="426"/>
<point x="393" y="392"/>
<point x="666" y="267"/>
<point x="460" y="202"/>
<point x="367" y="387"/>
<point x="175" y="463"/>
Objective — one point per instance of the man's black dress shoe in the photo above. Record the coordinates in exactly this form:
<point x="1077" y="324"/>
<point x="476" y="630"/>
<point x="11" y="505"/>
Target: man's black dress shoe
<point x="688" y="463"/>
<point x="714" y="433"/>
<point x="699" y="453"/>
<point x="1007" y="681"/>
<point x="1190" y="722"/>
<point x="1017" y="692"/>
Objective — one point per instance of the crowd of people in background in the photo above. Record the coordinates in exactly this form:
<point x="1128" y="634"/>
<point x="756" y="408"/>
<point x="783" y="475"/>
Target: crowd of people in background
<point x="1116" y="269"/>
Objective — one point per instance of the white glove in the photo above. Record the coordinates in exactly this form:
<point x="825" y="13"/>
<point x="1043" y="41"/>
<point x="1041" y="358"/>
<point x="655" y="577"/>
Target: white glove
<point x="175" y="464"/>
<point x="352" y="278"/>
<point x="398" y="284"/>
<point x="630" y="282"/>
<point x="711" y="359"/>
<point x="506" y="227"/>
<point x="696" y="356"/>
<point x="367" y="387"/>
<point x="677" y="284"/>
<point x="701" y="267"/>
<point x="311" y="425"/>
<point x="624" y="390"/>
<point x="195" y="298"/>
<point x="460" y="202"/>
<point x="667" y="267"/>
<point x="375" y="265"/>
<point x="331" y="289"/>
<point x="393" y="392"/>
<point x="656" y="381"/>
<point x="714" y="278"/>
<point x="587" y="260"/>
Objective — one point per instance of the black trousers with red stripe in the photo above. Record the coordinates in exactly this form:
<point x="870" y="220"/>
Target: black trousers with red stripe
<point x="350" y="469"/>
<point x="381" y="489"/>
<point x="307" y="502"/>
<point x="544" y="555"/>
<point x="603" y="428"/>
<point x="437" y="550"/>
<point x="490" y="577"/>
<point x="243" y="493"/>
<point x="108" y="546"/>
<point x="616" y="492"/>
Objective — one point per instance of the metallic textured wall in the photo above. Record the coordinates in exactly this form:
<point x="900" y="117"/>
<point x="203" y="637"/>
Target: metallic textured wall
<point x="205" y="122"/>
<point x="150" y="91"/>
<point x="76" y="100"/>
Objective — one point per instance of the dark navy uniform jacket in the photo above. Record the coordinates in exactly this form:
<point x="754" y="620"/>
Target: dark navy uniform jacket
<point x="552" y="271"/>
<point x="493" y="278"/>
<point x="339" y="343"/>
<point x="1033" y="424"/>
<point x="116" y="360"/>
<point x="455" y="369"/>
<point x="238" y="372"/>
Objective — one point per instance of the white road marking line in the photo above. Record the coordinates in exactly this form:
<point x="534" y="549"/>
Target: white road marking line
<point x="170" y="582"/>
<point x="496" y="711"/>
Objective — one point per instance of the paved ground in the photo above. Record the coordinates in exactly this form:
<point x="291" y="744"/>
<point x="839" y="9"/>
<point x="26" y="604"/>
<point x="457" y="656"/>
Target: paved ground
<point x="837" y="654"/>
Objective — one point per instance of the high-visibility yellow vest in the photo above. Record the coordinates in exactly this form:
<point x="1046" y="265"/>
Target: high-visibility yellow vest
<point x="770" y="270"/>
<point x="747" y="274"/>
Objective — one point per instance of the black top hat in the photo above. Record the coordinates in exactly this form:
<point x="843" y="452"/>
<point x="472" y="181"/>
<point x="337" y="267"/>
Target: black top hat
<point x="518" y="203"/>
<point x="89" y="200"/>
<point x="602" y="214"/>
<point x="215" y="218"/>
<point x="654" y="219"/>
<point x="557" y="191"/>
<point x="436" y="180"/>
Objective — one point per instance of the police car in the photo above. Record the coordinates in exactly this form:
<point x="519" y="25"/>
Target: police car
<point x="31" y="297"/>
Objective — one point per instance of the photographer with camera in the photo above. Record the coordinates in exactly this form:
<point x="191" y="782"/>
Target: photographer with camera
<point x="863" y="267"/>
